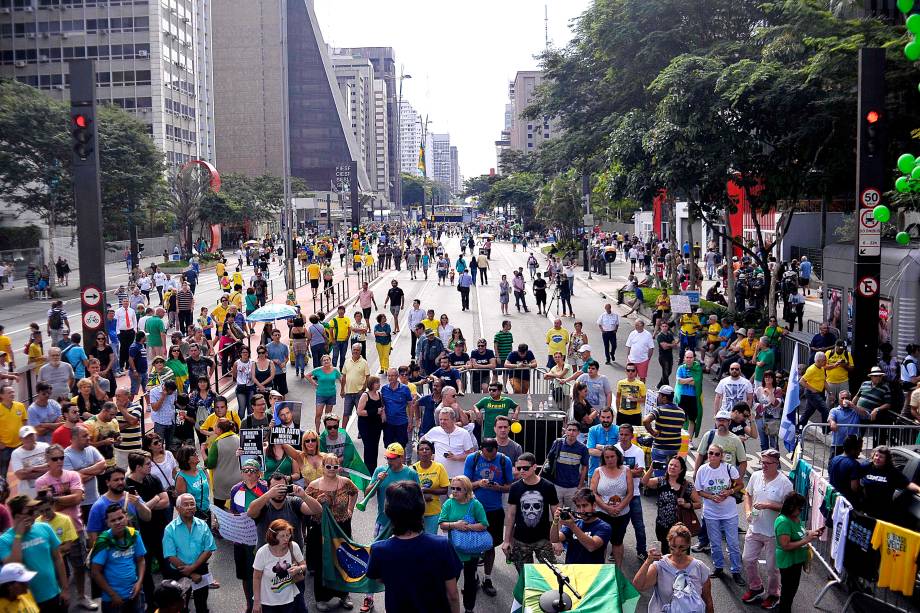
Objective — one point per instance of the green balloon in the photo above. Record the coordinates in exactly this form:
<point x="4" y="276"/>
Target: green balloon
<point x="912" y="51"/>
<point x="915" y="173"/>
<point x="913" y="24"/>
<point x="881" y="213"/>
<point x="903" y="238"/>
<point x="905" y="5"/>
<point x="906" y="162"/>
<point x="902" y="184"/>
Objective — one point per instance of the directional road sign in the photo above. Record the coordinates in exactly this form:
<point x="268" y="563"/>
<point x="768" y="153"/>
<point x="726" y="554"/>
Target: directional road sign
<point x="91" y="296"/>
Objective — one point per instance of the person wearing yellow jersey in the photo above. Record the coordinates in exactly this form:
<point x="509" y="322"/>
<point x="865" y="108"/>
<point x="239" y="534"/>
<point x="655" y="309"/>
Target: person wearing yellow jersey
<point x="313" y="274"/>
<point x="839" y="364"/>
<point x="557" y="339"/>
<point x="430" y="322"/>
<point x="220" y="412"/>
<point x="662" y="308"/>
<point x="712" y="335"/>
<point x="748" y="346"/>
<point x="219" y="314"/>
<point x="341" y="333"/>
<point x="357" y="260"/>
<point x="432" y="476"/>
<point x="220" y="269"/>
<point x="814" y="381"/>
<point x="689" y="326"/>
<point x="630" y="397"/>
<point x="13" y="416"/>
<point x="368" y="259"/>
<point x="15" y="596"/>
<point x="6" y="346"/>
<point x="237" y="278"/>
<point x="236" y="297"/>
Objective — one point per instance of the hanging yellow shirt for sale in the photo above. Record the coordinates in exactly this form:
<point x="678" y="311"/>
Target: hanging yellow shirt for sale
<point x="899" y="548"/>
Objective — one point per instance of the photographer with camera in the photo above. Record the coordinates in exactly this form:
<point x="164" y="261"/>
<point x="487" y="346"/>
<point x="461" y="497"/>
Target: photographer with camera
<point x="586" y="534"/>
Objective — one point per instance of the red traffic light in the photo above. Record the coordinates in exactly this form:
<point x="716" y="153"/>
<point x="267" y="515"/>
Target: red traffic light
<point x="81" y="121"/>
<point x="872" y="116"/>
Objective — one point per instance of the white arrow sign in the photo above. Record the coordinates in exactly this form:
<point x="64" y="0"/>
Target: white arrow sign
<point x="91" y="295"/>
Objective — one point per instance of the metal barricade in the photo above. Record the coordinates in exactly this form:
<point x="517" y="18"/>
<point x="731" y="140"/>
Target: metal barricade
<point x="222" y="376"/>
<point x="330" y="298"/>
<point x="815" y="449"/>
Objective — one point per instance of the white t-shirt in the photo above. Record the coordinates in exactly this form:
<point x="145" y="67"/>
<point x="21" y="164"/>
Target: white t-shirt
<point x="633" y="457"/>
<point x="608" y="321"/>
<point x="277" y="587"/>
<point x="144" y="284"/>
<point x="639" y="344"/>
<point x="841" y="519"/>
<point x="456" y="442"/>
<point x="775" y="491"/>
<point x="715" y="481"/>
<point x="23" y="458"/>
<point x="159" y="278"/>
<point x="733" y="391"/>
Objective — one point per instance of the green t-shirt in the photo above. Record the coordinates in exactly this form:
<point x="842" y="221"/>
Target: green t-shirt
<point x="455" y="511"/>
<point x="325" y="381"/>
<point x="406" y="474"/>
<point x="491" y="409"/>
<point x="731" y="445"/>
<point x="504" y="341"/>
<point x="796" y="532"/>
<point x="154" y="328"/>
<point x="767" y="356"/>
<point x="252" y="303"/>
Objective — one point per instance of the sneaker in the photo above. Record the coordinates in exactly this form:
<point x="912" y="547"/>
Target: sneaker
<point x="367" y="605"/>
<point x="770" y="602"/>
<point x="488" y="589"/>
<point x="717" y="574"/>
<point x="323" y="606"/>
<point x="701" y="549"/>
<point x="86" y="603"/>
<point x="346" y="603"/>
<point x="739" y="580"/>
<point x="752" y="595"/>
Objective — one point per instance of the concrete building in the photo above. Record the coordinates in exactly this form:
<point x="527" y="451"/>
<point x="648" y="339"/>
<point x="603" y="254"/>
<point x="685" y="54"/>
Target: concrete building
<point x="152" y="58"/>
<point x="410" y="139"/>
<point x="439" y="170"/>
<point x="456" y="181"/>
<point x="381" y="166"/>
<point x="526" y="134"/>
<point x="355" y="77"/>
<point x="249" y="95"/>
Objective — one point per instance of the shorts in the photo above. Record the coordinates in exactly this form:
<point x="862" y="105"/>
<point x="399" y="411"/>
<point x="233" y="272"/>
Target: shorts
<point x="76" y="555"/>
<point x="618" y="527"/>
<point x="314" y="283"/>
<point x="330" y="400"/>
<point x="635" y="419"/>
<point x="243" y="557"/>
<point x="496" y="520"/>
<point x="351" y="402"/>
<point x="394" y="311"/>
<point x="642" y="369"/>
<point x="689" y="405"/>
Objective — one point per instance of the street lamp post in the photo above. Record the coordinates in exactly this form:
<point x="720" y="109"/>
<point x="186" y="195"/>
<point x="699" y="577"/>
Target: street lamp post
<point x="286" y="154"/>
<point x="402" y="77"/>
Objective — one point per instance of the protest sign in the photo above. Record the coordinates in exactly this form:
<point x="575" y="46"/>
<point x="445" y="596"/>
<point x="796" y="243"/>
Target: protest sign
<point x="252" y="445"/>
<point x="286" y="423"/>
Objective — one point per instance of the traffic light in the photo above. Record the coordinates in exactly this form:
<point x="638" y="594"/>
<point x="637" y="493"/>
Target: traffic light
<point x="873" y="117"/>
<point x="83" y="134"/>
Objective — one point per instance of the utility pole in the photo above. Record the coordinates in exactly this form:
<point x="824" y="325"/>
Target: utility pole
<point x="399" y="204"/>
<point x="329" y="212"/>
<point x="87" y="196"/>
<point x="288" y="212"/>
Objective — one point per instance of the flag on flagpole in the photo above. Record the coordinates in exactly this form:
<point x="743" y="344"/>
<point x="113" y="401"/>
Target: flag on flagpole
<point x="603" y="588"/>
<point x="787" y="425"/>
<point x="421" y="158"/>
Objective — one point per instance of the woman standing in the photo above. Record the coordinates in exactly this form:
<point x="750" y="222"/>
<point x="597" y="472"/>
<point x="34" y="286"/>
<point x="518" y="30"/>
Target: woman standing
<point x="445" y="330"/>
<point x="768" y="409"/>
<point x="87" y="398"/>
<point x="340" y="495"/>
<point x="278" y="566"/>
<point x="34" y="349"/>
<point x="576" y="340"/>
<point x="582" y="411"/>
<point x="263" y="374"/>
<point x="371" y="418"/>
<point x="359" y="329"/>
<point x="612" y="484"/>
<point x="223" y="461"/>
<point x="456" y="514"/>
<point x="383" y="338"/>
<point x="791" y="548"/>
<point x="192" y="479"/>
<point x="673" y="492"/>
<point x="717" y="483"/>
<point x="659" y="571"/>
<point x="324" y="378"/>
<point x="103" y="352"/>
<point x="504" y="294"/>
<point x="311" y="464"/>
<point x="165" y="466"/>
<point x="242" y="372"/>
<point x="200" y="405"/>
<point x="299" y="345"/>
<point x="176" y="363"/>
<point x="283" y="459"/>
<point x="318" y="340"/>
<point x="456" y="336"/>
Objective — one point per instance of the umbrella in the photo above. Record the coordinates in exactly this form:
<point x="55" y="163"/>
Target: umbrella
<point x="251" y="243"/>
<point x="271" y="312"/>
<point x="486" y="236"/>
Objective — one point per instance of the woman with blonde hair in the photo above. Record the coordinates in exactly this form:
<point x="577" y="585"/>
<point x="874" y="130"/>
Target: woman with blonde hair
<point x="311" y="464"/>
<point x="463" y="512"/>
<point x="279" y="565"/>
<point x="659" y="571"/>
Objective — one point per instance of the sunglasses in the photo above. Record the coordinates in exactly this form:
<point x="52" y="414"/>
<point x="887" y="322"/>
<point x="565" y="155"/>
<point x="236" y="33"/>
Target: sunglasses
<point x="528" y="467"/>
<point x="715" y="453"/>
<point x="456" y="489"/>
<point x="331" y="428"/>
<point x="156" y="441"/>
<point x="58" y="458"/>
<point x="630" y="370"/>
<point x="310" y="440"/>
<point x="250" y="470"/>
<point x="331" y="466"/>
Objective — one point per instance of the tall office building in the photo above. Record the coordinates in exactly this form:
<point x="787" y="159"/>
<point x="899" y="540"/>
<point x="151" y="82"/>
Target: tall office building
<point x="440" y="159"/>
<point x="249" y="95"/>
<point x="381" y="165"/>
<point x="384" y="62"/>
<point x="455" y="179"/>
<point x="410" y="139"/>
<point x="152" y="58"/>
<point x="355" y="78"/>
<point x="526" y="134"/>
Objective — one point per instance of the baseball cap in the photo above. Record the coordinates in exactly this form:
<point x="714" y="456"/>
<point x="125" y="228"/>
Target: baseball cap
<point x="275" y="393"/>
<point x="723" y="414"/>
<point x="252" y="464"/>
<point x="584" y="348"/>
<point x="14" y="572"/>
<point x="26" y="431"/>
<point x="394" y="450"/>
<point x="430" y="332"/>
<point x="667" y="390"/>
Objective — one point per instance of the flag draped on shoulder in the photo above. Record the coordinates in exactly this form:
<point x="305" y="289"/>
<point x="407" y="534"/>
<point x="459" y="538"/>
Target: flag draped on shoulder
<point x="603" y="588"/>
<point x="107" y="540"/>
<point x="352" y="464"/>
<point x="791" y="402"/>
<point x="345" y="561"/>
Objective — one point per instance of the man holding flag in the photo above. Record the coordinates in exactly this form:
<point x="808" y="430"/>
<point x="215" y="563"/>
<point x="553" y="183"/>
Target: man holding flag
<point x="336" y="440"/>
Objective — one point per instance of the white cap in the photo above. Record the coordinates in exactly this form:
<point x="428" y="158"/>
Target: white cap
<point x="15" y="572"/>
<point x="584" y="348"/>
<point x="26" y="431"/>
<point x="723" y="414"/>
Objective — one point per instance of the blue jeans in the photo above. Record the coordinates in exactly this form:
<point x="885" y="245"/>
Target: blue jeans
<point x="659" y="455"/>
<point x="766" y="442"/>
<point x="339" y="351"/>
<point x="718" y="529"/>
<point x="138" y="381"/>
<point x="166" y="433"/>
<point x="134" y="606"/>
<point x="635" y="516"/>
<point x="814" y="401"/>
<point x="431" y="523"/>
<point x="300" y="362"/>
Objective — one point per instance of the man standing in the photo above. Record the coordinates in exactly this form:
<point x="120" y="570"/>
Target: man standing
<point x="433" y="479"/>
<point x="354" y="381"/>
<point x="279" y="354"/>
<point x="641" y="346"/>
<point x="188" y="545"/>
<point x="494" y="405"/>
<point x="839" y="365"/>
<point x="491" y="473"/>
<point x="341" y="333"/>
<point x="155" y="331"/>
<point x="599" y="394"/>
<point x="451" y="443"/>
<point x="395" y="298"/>
<point x="185" y="305"/>
<point x="163" y="410"/>
<point x="571" y="464"/>
<point x="118" y="563"/>
<point x="532" y="502"/>
<point x="13" y="416"/>
<point x="668" y="420"/>
<point x="58" y="374"/>
<point x="149" y="489"/>
<point x="137" y="364"/>
<point x="415" y="317"/>
<point x="503" y="342"/>
<point x="631" y="393"/>
<point x="873" y="400"/>
<point x="115" y="493"/>
<point x="601" y="435"/>
<point x="557" y="339"/>
<point x="732" y="389"/>
<point x="666" y="343"/>
<point x="103" y="432"/>
<point x="634" y="459"/>
<point x="482" y="263"/>
<point x="608" y="323"/>
<point x="463" y="286"/>
<point x="242" y="495"/>
<point x="396" y="403"/>
<point x="814" y="381"/>
<point x="44" y="413"/>
<point x="28" y="461"/>
<point x="58" y="327"/>
<point x="587" y="537"/>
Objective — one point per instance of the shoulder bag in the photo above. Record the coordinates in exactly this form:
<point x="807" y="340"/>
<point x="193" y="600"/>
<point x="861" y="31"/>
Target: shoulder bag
<point x="687" y="516"/>
<point x="548" y="471"/>
<point x="171" y="489"/>
<point x="471" y="542"/>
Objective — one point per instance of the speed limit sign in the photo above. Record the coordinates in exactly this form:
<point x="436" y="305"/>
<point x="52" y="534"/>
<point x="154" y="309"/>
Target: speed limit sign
<point x="870" y="198"/>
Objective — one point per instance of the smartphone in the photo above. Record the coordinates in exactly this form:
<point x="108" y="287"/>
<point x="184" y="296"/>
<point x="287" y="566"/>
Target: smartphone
<point x="446" y="454"/>
<point x="131" y="490"/>
<point x="290" y="489"/>
<point x="658" y="465"/>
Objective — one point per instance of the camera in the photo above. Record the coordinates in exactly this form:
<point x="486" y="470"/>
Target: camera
<point x="565" y="513"/>
<point x="659" y="465"/>
<point x="290" y="489"/>
<point x="131" y="490"/>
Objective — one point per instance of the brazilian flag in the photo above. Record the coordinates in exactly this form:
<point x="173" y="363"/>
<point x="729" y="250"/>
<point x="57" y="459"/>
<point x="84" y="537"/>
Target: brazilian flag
<point x="603" y="588"/>
<point x="421" y="158"/>
<point x="345" y="561"/>
<point x="352" y="464"/>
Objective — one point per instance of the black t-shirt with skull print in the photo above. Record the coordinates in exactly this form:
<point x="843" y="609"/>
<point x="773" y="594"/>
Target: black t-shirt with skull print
<point x="533" y="502"/>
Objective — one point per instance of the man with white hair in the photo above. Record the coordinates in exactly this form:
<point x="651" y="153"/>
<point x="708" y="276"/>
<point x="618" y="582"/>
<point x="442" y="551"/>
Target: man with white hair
<point x="187" y="546"/>
<point x="452" y="445"/>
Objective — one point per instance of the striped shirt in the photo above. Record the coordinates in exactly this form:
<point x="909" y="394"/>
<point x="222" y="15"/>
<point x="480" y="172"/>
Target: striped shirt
<point x="504" y="341"/>
<point x="669" y="420"/>
<point x="130" y="435"/>
<point x="185" y="300"/>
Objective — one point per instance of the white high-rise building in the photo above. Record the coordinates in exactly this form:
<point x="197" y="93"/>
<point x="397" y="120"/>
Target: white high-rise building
<point x="381" y="170"/>
<point x="456" y="181"/>
<point x="440" y="159"/>
<point x="410" y="139"/>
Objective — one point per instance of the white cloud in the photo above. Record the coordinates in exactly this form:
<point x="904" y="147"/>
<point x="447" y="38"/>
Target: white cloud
<point x="461" y="56"/>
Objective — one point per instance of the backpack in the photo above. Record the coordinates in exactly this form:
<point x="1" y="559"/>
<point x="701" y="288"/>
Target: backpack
<point x="56" y="319"/>
<point x="684" y="597"/>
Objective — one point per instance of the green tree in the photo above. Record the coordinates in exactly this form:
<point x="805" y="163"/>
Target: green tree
<point x="559" y="204"/>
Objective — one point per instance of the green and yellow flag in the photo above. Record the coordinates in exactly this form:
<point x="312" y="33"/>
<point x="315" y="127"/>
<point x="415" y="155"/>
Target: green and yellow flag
<point x="421" y="158"/>
<point x="603" y="588"/>
<point x="345" y="561"/>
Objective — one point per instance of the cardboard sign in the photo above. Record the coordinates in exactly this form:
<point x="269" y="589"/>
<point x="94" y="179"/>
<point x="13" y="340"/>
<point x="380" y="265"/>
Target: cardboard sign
<point x="252" y="445"/>
<point x="680" y="303"/>
<point x="651" y="400"/>
<point x="235" y="528"/>
<point x="286" y="425"/>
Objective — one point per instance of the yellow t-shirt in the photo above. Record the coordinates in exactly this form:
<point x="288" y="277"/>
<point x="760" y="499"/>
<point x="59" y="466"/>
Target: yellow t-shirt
<point x="236" y="299"/>
<point x="631" y="395"/>
<point x="313" y="271"/>
<point x="838" y="374"/>
<point x="713" y="333"/>
<point x="62" y="526"/>
<point x="368" y="260"/>
<point x="219" y="314"/>
<point x="748" y="346"/>
<point x="99" y="430"/>
<point x="431" y="324"/>
<point x="23" y="604"/>
<point x="11" y="420"/>
<point x="36" y="357"/>
<point x="6" y="345"/>
<point x="220" y="269"/>
<point x="663" y="303"/>
<point x="899" y="548"/>
<point x="434" y="476"/>
<point x="341" y="326"/>
<point x="689" y="324"/>
<point x="815" y="377"/>
<point x="238" y="279"/>
<point x="356" y="374"/>
<point x="211" y="420"/>
<point x="557" y="340"/>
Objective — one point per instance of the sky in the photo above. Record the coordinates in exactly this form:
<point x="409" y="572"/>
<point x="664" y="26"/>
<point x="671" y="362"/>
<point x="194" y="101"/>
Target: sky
<point x="461" y="56"/>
